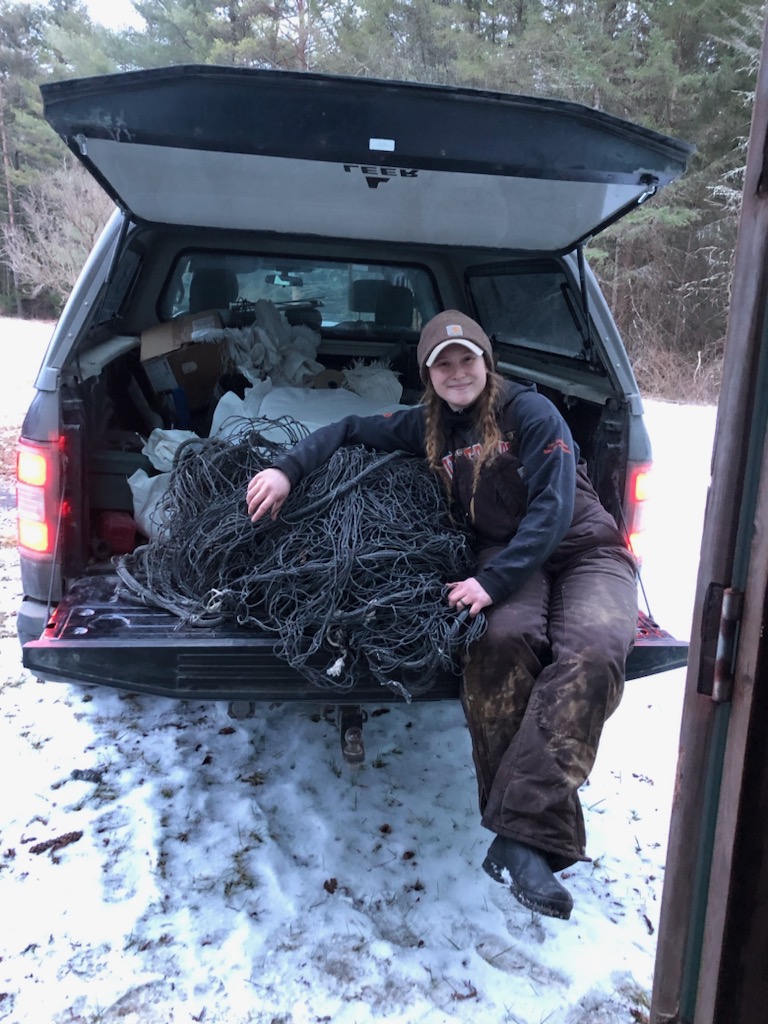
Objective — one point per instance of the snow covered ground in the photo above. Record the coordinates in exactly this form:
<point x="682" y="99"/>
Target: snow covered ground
<point x="160" y="862"/>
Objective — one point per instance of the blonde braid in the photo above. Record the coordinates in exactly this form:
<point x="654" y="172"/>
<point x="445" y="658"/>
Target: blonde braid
<point x="434" y="437"/>
<point x="487" y="422"/>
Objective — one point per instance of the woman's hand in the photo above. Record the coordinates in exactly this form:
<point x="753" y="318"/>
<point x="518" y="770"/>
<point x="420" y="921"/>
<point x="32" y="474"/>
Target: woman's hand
<point x="468" y="594"/>
<point x="266" y="493"/>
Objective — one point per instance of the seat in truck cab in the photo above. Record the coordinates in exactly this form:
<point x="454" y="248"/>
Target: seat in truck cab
<point x="212" y="288"/>
<point x="390" y="304"/>
<point x="394" y="306"/>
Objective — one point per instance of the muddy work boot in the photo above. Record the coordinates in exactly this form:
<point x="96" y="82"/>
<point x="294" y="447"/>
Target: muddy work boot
<point x="526" y="871"/>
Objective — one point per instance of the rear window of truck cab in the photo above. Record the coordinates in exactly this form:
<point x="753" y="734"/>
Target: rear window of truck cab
<point x="334" y="296"/>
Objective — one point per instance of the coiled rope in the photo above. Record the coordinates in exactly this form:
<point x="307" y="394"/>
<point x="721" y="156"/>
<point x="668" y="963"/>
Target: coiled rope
<point x="349" y="579"/>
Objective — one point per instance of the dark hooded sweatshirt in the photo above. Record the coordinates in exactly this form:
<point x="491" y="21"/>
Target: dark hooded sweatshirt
<point x="534" y="501"/>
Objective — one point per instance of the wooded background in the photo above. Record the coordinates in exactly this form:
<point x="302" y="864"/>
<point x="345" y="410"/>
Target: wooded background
<point x="683" y="67"/>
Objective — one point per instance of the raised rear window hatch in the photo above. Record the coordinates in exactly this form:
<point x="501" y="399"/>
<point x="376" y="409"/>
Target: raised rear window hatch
<point x="343" y="157"/>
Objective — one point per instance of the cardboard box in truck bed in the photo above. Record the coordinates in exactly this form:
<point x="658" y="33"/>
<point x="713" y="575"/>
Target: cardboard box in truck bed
<point x="174" y="355"/>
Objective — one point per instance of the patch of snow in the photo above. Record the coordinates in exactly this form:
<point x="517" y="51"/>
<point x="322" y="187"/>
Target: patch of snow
<point x="161" y="862"/>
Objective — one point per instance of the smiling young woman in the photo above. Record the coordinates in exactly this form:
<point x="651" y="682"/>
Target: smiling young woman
<point x="459" y="374"/>
<point x="553" y="576"/>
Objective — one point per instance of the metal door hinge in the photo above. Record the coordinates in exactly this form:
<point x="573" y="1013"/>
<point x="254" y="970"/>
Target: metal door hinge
<point x="719" y="633"/>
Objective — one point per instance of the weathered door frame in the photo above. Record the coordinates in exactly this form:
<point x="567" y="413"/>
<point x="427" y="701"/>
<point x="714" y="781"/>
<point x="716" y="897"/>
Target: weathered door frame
<point x="713" y="935"/>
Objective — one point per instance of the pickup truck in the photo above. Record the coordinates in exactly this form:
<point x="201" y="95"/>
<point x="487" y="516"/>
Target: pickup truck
<point x="355" y="209"/>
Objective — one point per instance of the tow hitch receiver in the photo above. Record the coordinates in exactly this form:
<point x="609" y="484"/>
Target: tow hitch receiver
<point x="350" y="718"/>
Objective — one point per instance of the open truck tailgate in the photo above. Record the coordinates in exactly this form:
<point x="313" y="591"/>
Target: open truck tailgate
<point x="97" y="636"/>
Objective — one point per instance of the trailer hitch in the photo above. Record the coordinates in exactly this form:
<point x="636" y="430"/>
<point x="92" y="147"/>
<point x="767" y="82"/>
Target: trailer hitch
<point x="350" y="719"/>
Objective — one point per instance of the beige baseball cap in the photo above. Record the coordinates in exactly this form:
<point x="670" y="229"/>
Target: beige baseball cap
<point x="451" y="328"/>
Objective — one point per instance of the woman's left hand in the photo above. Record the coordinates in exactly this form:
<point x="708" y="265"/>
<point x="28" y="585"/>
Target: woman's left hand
<point x="468" y="594"/>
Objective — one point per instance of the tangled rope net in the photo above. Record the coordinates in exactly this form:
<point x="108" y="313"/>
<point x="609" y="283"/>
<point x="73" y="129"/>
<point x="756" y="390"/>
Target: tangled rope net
<point x="350" y="578"/>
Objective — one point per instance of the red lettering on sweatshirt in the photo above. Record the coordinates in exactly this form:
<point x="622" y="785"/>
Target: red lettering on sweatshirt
<point x="471" y="452"/>
<point x="554" y="445"/>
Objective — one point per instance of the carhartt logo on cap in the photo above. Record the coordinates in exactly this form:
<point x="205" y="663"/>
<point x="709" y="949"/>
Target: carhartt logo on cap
<point x="453" y="330"/>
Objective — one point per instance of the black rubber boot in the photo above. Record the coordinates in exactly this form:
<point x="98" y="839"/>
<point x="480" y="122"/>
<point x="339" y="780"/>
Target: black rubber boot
<point x="526" y="871"/>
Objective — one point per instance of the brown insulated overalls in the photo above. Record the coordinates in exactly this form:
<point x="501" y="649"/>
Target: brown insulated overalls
<point x="540" y="683"/>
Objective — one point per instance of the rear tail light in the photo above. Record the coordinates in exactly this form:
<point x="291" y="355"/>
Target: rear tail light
<point x="38" y="499"/>
<point x="636" y="495"/>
